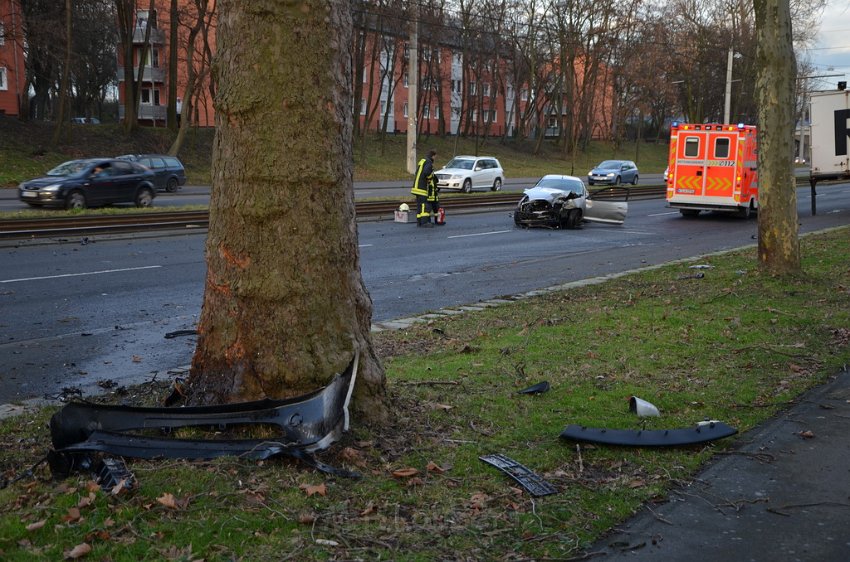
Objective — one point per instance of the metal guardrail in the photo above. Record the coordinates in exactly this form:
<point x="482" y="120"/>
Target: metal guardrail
<point x="135" y="222"/>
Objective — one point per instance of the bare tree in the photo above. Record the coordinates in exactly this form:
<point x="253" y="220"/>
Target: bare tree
<point x="66" y="76"/>
<point x="285" y="305"/>
<point x="778" y="244"/>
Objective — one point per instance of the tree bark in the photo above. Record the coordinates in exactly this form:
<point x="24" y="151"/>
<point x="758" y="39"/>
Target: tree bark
<point x="285" y="305"/>
<point x="778" y="243"/>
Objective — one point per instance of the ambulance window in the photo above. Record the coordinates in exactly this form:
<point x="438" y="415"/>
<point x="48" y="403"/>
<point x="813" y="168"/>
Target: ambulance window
<point x="692" y="147"/>
<point x="721" y="148"/>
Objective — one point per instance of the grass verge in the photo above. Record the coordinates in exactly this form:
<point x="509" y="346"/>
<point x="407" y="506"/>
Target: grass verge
<point x="735" y="345"/>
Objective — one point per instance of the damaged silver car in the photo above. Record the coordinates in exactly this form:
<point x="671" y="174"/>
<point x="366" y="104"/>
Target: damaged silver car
<point x="558" y="201"/>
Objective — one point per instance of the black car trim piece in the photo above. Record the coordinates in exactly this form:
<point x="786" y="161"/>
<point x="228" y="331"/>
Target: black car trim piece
<point x="701" y="433"/>
<point x="535" y="388"/>
<point x="523" y="475"/>
<point x="308" y="423"/>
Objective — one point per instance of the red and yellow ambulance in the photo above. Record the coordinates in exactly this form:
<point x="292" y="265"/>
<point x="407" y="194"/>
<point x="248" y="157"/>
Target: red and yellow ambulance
<point x="713" y="168"/>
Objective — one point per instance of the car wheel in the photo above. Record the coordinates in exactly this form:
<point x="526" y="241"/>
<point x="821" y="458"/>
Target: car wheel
<point x="635" y="181"/>
<point x="618" y="180"/>
<point x="745" y="212"/>
<point x="75" y="200"/>
<point x="497" y="185"/>
<point x="144" y="198"/>
<point x="689" y="213"/>
<point x="573" y="219"/>
<point x="171" y="185"/>
<point x="467" y="185"/>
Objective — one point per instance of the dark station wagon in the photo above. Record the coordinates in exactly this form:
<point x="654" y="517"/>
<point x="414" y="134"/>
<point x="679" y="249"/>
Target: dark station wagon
<point x="169" y="171"/>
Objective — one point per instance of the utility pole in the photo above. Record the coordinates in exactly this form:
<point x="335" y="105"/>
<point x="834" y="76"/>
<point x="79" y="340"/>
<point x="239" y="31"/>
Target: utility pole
<point x="412" y="86"/>
<point x="727" y="105"/>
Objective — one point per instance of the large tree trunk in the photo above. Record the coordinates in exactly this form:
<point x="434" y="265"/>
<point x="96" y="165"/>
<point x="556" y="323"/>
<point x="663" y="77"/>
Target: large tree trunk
<point x="284" y="304"/>
<point x="779" y="246"/>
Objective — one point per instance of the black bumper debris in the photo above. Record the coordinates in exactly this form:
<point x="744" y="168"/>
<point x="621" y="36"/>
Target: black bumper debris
<point x="306" y="424"/>
<point x="701" y="433"/>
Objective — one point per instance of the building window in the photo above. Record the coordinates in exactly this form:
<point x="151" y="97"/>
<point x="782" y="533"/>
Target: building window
<point x="436" y="112"/>
<point x="490" y="116"/>
<point x="2" y="34"/>
<point x="4" y="84"/>
<point x="156" y="97"/>
<point x="471" y="88"/>
<point x="486" y="87"/>
<point x="142" y="17"/>
<point x="362" y="106"/>
<point x="146" y="95"/>
<point x="406" y="79"/>
<point x="523" y="94"/>
<point x="426" y="112"/>
<point x="458" y="57"/>
<point x="404" y="110"/>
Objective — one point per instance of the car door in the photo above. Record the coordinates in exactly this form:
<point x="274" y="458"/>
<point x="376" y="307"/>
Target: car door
<point x="159" y="168"/>
<point x="99" y="188"/>
<point x="483" y="174"/>
<point x="125" y="179"/>
<point x="608" y="205"/>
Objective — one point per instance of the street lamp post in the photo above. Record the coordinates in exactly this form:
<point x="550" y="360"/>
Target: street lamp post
<point x="727" y="104"/>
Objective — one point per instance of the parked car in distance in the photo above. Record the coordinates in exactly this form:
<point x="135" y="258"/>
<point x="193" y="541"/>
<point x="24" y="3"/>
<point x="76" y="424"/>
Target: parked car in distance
<point x="465" y="173"/>
<point x="169" y="171"/>
<point x="613" y="172"/>
<point x="85" y="120"/>
<point x="558" y="201"/>
<point x="90" y="182"/>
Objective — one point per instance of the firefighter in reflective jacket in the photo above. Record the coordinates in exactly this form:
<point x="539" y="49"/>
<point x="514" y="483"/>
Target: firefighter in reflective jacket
<point x="426" y="192"/>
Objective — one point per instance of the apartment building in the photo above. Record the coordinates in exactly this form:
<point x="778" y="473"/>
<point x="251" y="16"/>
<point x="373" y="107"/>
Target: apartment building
<point x="12" y="68"/>
<point x="156" y="73"/>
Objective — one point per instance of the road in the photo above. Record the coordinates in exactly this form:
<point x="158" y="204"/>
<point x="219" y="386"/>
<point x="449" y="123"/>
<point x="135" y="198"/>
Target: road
<point x="82" y="311"/>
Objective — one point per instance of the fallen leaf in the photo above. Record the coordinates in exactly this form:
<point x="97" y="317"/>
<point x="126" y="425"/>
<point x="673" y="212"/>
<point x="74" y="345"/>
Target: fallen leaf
<point x="353" y="456"/>
<point x="306" y="518"/>
<point x="37" y="525"/>
<point x="434" y="467"/>
<point x="137" y="359"/>
<point x="92" y="486"/>
<point x="72" y="515"/>
<point x="415" y="481"/>
<point x="167" y="500"/>
<point x="807" y="434"/>
<point x="405" y="472"/>
<point x="637" y="483"/>
<point x="78" y="551"/>
<point x="310" y="489"/>
<point x="326" y="542"/>
<point x="370" y="509"/>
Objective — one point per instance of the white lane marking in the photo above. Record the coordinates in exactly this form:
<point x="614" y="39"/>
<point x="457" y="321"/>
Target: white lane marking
<point x="662" y="214"/>
<point x="78" y="274"/>
<point x="365" y="245"/>
<point x="480" y="234"/>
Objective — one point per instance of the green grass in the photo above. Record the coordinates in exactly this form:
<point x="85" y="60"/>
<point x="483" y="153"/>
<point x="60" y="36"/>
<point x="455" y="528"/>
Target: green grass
<point x="736" y="345"/>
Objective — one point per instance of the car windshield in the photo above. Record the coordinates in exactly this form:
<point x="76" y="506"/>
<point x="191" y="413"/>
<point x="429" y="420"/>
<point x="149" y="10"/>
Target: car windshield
<point x="609" y="165"/>
<point x="460" y="163"/>
<point x="564" y="184"/>
<point x="72" y="168"/>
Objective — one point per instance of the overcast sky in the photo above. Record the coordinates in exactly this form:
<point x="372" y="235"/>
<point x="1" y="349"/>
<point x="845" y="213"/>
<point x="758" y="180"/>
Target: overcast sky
<point x="831" y="53"/>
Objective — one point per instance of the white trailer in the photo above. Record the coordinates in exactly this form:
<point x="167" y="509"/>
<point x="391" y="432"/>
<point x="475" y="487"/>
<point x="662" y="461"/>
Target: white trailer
<point x="830" y="117"/>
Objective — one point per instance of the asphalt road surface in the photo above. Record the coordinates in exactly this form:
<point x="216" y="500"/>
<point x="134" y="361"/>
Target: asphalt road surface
<point x="80" y="312"/>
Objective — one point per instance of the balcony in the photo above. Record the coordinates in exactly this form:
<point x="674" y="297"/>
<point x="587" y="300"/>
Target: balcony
<point x="146" y="112"/>
<point x="157" y="36"/>
<point x="151" y="74"/>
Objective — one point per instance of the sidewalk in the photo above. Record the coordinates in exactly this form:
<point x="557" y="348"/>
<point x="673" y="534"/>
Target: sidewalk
<point x="782" y="495"/>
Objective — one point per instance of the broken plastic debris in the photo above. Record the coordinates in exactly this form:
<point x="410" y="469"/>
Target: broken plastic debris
<point x="535" y="389"/>
<point x="642" y="408"/>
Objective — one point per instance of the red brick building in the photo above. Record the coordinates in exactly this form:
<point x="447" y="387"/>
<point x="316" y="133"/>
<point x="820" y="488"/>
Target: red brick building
<point x="12" y="67"/>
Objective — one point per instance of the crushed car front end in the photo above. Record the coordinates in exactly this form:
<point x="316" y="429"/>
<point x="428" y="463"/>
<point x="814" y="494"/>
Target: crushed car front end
<point x="546" y="207"/>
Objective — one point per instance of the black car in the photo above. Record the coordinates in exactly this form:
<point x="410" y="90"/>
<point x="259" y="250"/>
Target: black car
<point x="170" y="173"/>
<point x="90" y="182"/>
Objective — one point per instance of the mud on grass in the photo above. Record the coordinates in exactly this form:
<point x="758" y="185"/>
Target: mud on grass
<point x="734" y="345"/>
